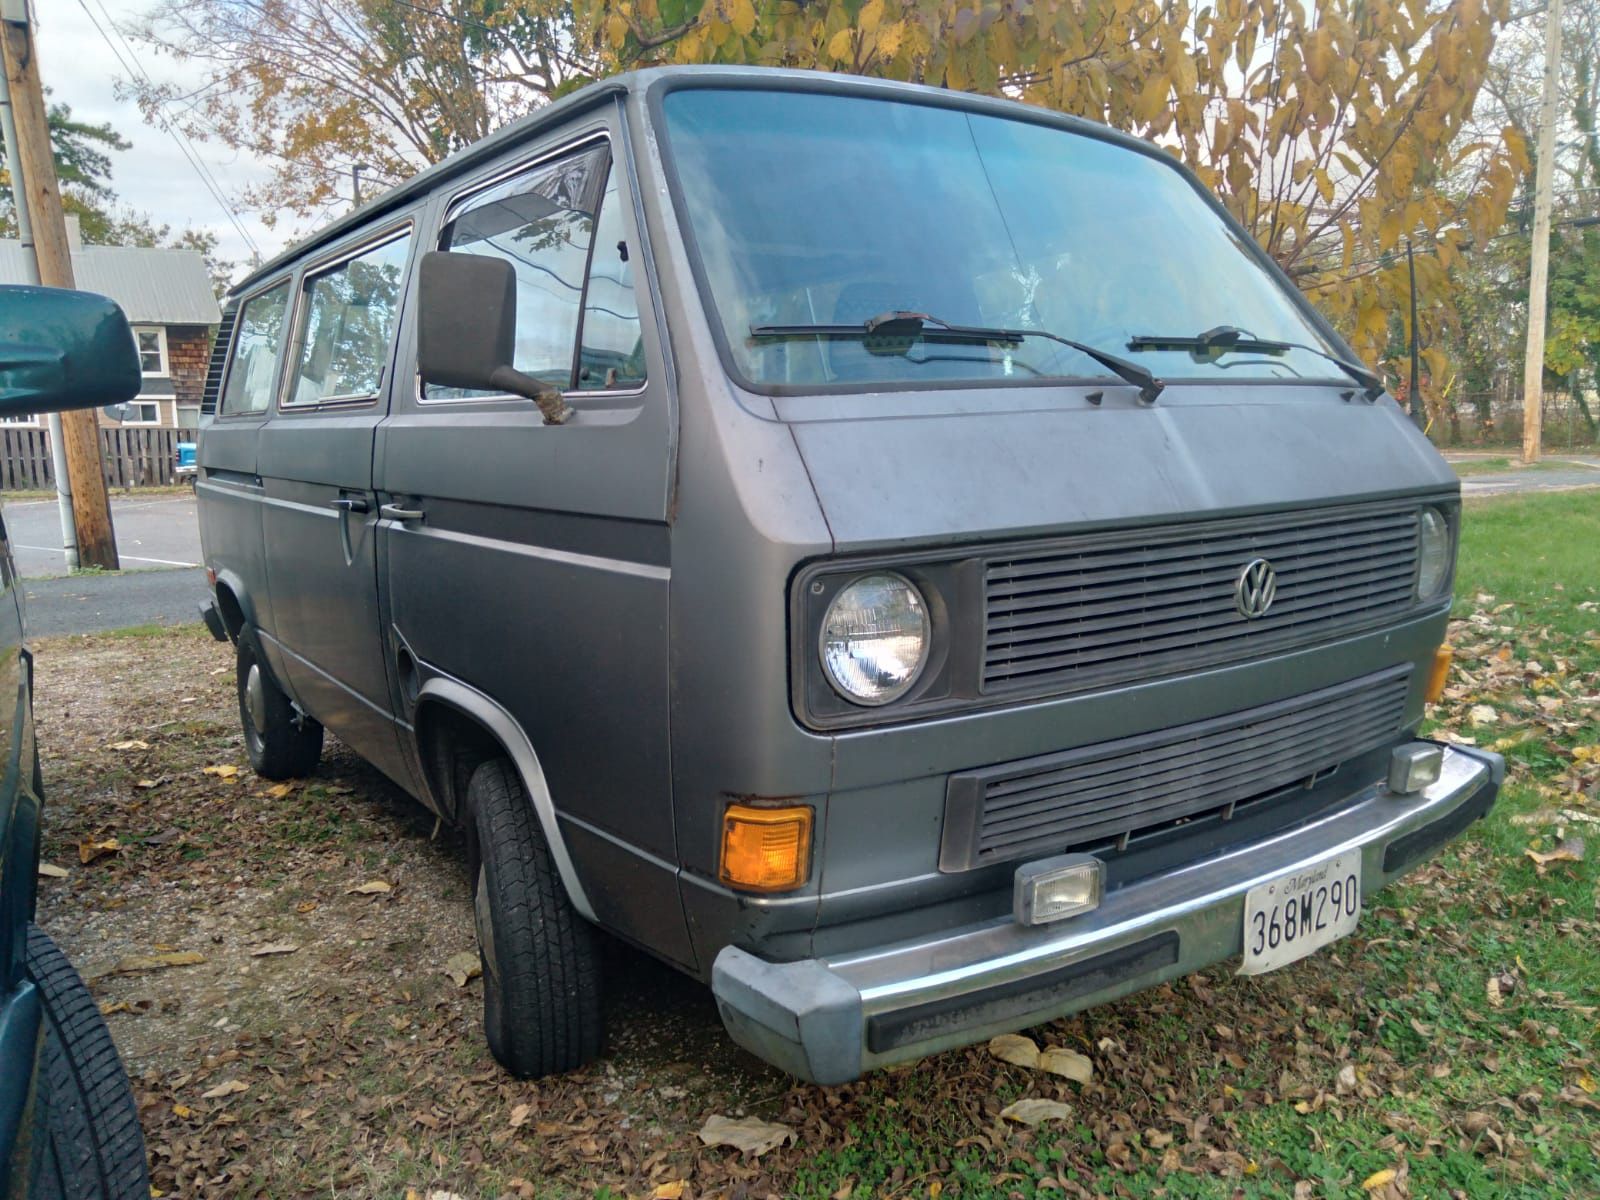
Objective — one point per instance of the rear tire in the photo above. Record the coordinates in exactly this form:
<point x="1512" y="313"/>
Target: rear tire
<point x="281" y="742"/>
<point x="541" y="974"/>
<point x="85" y="1121"/>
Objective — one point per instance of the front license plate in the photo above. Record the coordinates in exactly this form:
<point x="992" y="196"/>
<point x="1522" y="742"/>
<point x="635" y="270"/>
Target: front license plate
<point x="1298" y="914"/>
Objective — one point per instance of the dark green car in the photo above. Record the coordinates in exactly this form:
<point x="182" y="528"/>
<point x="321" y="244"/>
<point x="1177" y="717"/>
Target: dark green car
<point x="68" y="1125"/>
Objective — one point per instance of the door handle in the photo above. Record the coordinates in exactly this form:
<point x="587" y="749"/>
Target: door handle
<point x="350" y="504"/>
<point x="395" y="513"/>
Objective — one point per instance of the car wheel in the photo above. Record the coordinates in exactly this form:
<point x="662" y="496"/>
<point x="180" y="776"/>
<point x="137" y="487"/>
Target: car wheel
<point x="85" y="1121"/>
<point x="541" y="975"/>
<point x="281" y="742"/>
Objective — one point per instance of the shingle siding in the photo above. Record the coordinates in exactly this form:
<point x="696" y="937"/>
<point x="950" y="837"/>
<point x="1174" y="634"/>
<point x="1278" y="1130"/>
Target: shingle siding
<point x="188" y="354"/>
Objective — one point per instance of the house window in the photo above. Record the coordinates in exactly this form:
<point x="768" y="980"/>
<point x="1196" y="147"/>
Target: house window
<point x="142" y="412"/>
<point x="152" y="349"/>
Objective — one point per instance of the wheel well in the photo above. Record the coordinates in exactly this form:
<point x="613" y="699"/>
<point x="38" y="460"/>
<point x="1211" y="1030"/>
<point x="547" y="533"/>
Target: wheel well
<point x="452" y="745"/>
<point x="230" y="610"/>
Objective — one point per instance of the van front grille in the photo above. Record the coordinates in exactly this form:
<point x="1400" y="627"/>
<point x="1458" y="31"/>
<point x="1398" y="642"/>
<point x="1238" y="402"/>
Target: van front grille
<point x="1111" y="790"/>
<point x="1138" y="604"/>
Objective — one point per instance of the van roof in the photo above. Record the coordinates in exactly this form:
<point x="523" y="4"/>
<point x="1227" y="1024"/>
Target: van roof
<point x="635" y="81"/>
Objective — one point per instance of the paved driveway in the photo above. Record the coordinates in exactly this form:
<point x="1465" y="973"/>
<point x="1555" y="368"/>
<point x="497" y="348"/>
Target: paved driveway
<point x="1554" y="473"/>
<point x="91" y="603"/>
<point x="153" y="532"/>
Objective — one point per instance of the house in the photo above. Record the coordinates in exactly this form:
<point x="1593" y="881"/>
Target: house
<point x="167" y="297"/>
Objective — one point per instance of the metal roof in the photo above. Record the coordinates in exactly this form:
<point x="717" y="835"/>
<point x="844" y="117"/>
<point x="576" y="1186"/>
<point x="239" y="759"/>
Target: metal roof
<point x="154" y="286"/>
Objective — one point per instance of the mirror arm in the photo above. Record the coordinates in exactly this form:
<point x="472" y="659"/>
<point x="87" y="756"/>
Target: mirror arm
<point x="552" y="403"/>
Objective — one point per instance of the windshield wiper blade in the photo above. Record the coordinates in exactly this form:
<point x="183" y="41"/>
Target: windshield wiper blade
<point x="931" y="328"/>
<point x="1231" y="337"/>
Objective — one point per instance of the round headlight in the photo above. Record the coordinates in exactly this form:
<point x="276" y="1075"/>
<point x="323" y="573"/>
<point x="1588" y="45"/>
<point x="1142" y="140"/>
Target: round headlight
<point x="875" y="639"/>
<point x="1433" y="559"/>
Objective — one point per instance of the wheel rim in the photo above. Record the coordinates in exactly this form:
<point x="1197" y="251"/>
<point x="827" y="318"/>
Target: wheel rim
<point x="255" y="697"/>
<point x="483" y="920"/>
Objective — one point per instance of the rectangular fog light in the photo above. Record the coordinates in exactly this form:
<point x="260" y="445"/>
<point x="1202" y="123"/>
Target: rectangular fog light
<point x="1414" y="766"/>
<point x="1054" y="888"/>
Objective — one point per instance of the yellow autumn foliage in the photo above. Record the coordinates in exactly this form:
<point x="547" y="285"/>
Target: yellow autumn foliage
<point x="1331" y="132"/>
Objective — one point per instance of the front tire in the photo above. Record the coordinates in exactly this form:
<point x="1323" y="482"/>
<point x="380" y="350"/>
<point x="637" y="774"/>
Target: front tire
<point x="85" y="1122"/>
<point x="281" y="743"/>
<point x="541" y="974"/>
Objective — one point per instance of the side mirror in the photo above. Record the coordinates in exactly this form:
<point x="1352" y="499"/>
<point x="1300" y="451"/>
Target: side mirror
<point x="61" y="349"/>
<point x="467" y="330"/>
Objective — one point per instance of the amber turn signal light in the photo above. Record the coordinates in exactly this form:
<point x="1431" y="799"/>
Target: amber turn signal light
<point x="1441" y="672"/>
<point x="766" y="849"/>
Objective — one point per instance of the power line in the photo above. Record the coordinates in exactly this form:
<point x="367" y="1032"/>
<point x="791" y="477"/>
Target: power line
<point x="206" y="178"/>
<point x="178" y="136"/>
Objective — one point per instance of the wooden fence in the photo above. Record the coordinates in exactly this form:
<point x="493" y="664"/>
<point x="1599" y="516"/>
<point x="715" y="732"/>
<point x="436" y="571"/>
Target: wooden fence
<point x="133" y="456"/>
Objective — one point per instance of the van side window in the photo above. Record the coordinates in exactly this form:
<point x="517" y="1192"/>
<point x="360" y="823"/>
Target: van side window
<point x="611" y="354"/>
<point x="350" y="315"/>
<point x="255" y="352"/>
<point x="541" y="222"/>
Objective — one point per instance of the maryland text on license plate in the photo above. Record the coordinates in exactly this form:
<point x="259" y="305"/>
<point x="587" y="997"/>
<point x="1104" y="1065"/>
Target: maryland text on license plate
<point x="1294" y="915"/>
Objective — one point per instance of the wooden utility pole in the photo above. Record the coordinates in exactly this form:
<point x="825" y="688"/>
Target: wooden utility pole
<point x="91" y="507"/>
<point x="1539" y="273"/>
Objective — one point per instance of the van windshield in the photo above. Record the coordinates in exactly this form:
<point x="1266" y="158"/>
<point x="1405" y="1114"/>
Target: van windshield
<point x="829" y="210"/>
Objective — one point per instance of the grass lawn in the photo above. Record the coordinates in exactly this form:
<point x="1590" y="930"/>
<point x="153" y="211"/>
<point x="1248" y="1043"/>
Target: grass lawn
<point x="1446" y="1049"/>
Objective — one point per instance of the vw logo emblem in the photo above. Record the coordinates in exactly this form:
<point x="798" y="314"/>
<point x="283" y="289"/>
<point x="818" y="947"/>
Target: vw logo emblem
<point x="1258" y="584"/>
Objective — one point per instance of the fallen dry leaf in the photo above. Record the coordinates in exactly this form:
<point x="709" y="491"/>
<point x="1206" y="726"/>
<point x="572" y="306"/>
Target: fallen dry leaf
<point x="1571" y="850"/>
<point x="1500" y="987"/>
<point x="1036" y="1111"/>
<point x="1378" y="1179"/>
<point x="1058" y="1060"/>
<point x="229" y="1087"/>
<point x="183" y="1111"/>
<point x="1482" y="714"/>
<point x="1016" y="1049"/>
<point x="51" y="871"/>
<point x="519" y="1115"/>
<point x="132" y="744"/>
<point x="134" y="963"/>
<point x="749" y="1135"/>
<point x="373" y="887"/>
<point x="279" y="791"/>
<point x="226" y="771"/>
<point x="89" y="851"/>
<point x="463" y="966"/>
<point x="671" y="1190"/>
<point x="274" y="948"/>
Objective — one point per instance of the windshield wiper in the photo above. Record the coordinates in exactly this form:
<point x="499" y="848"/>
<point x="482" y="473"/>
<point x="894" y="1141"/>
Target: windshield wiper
<point x="1231" y="338"/>
<point x="930" y="328"/>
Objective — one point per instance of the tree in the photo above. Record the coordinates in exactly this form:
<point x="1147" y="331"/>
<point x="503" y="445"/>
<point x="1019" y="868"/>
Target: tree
<point x="1328" y="133"/>
<point x="1493" y="289"/>
<point x="83" y="165"/>
<point x="321" y="86"/>
<point x="1332" y="134"/>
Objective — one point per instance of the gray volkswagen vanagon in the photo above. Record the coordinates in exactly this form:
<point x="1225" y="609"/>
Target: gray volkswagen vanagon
<point x="905" y="558"/>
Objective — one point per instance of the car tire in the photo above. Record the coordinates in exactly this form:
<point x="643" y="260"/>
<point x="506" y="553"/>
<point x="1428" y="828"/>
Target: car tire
<point x="281" y="742"/>
<point x="86" y="1125"/>
<point x="541" y="971"/>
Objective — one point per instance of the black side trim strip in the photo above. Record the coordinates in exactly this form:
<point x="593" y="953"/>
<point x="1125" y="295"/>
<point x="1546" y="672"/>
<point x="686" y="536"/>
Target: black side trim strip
<point x="1050" y="990"/>
<point x="1417" y="845"/>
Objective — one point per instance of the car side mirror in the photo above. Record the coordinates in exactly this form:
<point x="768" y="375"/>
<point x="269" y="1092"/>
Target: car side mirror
<point x="61" y="350"/>
<point x="467" y="330"/>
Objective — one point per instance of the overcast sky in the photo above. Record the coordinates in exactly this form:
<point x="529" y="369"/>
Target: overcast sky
<point x="153" y="178"/>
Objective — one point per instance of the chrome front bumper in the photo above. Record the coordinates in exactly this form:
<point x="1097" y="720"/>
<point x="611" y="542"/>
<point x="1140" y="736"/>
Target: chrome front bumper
<point x="829" y="1020"/>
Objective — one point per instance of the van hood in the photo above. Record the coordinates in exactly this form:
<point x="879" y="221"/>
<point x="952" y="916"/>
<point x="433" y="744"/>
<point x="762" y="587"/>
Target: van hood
<point x="892" y="469"/>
